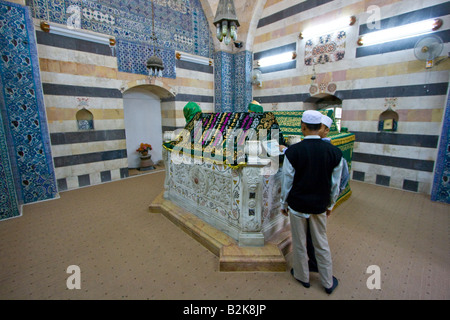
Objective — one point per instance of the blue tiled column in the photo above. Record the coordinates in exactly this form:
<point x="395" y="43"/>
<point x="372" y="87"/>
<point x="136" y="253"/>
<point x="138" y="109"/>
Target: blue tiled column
<point x="9" y="206"/>
<point x="243" y="90"/>
<point x="232" y="80"/>
<point x="24" y="123"/>
<point x="441" y="183"/>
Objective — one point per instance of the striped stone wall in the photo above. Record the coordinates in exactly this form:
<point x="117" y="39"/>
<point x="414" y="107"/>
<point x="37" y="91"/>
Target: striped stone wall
<point x="80" y="74"/>
<point x="368" y="80"/>
<point x="194" y="82"/>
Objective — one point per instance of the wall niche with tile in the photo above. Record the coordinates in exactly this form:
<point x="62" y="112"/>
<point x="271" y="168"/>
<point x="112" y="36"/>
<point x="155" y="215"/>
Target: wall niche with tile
<point x="388" y="121"/>
<point x="85" y="120"/>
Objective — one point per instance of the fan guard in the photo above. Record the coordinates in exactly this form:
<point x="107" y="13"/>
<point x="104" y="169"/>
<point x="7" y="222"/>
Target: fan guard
<point x="428" y="48"/>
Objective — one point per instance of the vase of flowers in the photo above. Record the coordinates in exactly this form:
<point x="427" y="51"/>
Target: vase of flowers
<point x="146" y="162"/>
<point x="144" y="148"/>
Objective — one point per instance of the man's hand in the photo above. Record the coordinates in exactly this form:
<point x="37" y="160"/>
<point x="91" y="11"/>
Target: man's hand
<point x="284" y="212"/>
<point x="328" y="212"/>
<point x="282" y="148"/>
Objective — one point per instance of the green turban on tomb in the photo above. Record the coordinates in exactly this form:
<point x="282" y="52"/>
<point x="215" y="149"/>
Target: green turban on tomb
<point x="254" y="106"/>
<point x="190" y="109"/>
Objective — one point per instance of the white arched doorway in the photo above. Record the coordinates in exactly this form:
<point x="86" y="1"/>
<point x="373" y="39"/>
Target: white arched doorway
<point x="142" y="116"/>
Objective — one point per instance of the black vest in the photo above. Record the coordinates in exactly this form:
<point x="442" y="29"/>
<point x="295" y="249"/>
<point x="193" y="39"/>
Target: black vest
<point x="313" y="161"/>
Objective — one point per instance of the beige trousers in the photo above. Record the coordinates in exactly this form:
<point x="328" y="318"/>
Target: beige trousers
<point x="318" y="228"/>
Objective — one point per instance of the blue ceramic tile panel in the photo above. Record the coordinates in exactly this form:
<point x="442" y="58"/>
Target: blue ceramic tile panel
<point x="23" y="110"/>
<point x="179" y="25"/>
<point x="9" y="206"/>
<point x="243" y="87"/>
<point x="232" y="76"/>
<point x="441" y="183"/>
<point x="132" y="57"/>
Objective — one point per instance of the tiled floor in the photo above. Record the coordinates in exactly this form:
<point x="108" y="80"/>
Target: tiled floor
<point x="126" y="252"/>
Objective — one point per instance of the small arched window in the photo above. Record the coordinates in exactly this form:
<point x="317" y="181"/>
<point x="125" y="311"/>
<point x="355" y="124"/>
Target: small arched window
<point x="85" y="120"/>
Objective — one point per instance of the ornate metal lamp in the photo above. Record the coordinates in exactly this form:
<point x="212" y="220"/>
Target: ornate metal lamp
<point x="155" y="64"/>
<point x="226" y="21"/>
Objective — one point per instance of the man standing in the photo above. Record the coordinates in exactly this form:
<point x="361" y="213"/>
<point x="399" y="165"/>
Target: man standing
<point x="323" y="133"/>
<point x="311" y="175"/>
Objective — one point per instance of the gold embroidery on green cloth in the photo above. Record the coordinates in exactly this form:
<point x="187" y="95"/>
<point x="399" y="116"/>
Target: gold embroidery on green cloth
<point x="209" y="135"/>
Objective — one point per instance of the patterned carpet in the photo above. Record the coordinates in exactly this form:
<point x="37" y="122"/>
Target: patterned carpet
<point x="125" y="252"/>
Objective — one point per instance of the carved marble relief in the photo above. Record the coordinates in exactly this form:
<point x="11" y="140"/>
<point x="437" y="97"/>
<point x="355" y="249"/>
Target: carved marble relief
<point x="208" y="186"/>
<point x="241" y="202"/>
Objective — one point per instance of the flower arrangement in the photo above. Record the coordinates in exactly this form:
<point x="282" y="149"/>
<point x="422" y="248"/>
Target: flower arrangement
<point x="144" y="148"/>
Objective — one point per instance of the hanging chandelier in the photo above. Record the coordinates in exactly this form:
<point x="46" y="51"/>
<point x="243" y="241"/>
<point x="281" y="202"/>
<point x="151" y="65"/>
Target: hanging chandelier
<point x="226" y="22"/>
<point x="155" y="64"/>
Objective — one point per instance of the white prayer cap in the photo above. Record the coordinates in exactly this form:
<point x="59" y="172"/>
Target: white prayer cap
<point x="326" y="120"/>
<point x="312" y="117"/>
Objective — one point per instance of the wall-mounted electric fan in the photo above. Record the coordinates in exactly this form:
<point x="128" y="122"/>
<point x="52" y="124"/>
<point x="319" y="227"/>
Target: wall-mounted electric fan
<point x="428" y="48"/>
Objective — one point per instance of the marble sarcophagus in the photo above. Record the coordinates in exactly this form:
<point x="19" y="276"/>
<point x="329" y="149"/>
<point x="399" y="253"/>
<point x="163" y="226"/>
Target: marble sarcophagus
<point x="225" y="169"/>
<point x="222" y="169"/>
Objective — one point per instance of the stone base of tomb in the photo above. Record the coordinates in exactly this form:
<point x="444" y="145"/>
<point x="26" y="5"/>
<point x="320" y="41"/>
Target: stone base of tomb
<point x="269" y="258"/>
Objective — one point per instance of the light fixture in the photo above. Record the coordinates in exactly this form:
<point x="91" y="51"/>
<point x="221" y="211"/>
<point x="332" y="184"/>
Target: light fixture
<point x="191" y="58"/>
<point x="155" y="64"/>
<point x="277" y="59"/>
<point x="401" y="32"/>
<point x="76" y="33"/>
<point x="226" y="21"/>
<point x="329" y="27"/>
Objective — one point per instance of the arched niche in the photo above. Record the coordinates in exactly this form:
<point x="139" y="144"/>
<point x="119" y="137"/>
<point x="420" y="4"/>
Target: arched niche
<point x="388" y="120"/>
<point x="325" y="101"/>
<point x="85" y="119"/>
<point x="143" y="119"/>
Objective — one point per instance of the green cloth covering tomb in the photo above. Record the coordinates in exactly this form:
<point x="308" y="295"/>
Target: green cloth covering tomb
<point x="208" y="135"/>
